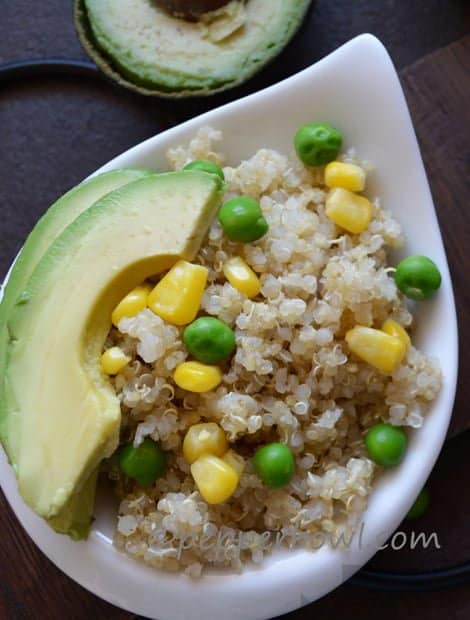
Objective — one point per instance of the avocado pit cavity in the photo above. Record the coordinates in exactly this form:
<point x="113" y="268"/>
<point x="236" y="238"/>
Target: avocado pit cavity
<point x="190" y="9"/>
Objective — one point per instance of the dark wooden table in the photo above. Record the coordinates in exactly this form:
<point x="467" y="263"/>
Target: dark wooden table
<point x="55" y="131"/>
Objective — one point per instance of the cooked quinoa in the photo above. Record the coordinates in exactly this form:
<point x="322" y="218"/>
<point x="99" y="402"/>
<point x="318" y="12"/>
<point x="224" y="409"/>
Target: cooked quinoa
<point x="292" y="378"/>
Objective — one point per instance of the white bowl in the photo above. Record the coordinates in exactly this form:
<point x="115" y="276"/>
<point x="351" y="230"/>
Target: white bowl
<point x="357" y="90"/>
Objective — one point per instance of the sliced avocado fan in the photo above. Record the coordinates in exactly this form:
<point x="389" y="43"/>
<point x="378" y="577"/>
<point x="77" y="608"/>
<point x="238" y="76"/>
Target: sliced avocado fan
<point x="145" y="48"/>
<point x="62" y="413"/>
<point x="52" y="223"/>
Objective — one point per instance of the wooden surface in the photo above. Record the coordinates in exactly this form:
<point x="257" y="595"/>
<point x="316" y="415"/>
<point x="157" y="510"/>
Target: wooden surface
<point x="55" y="132"/>
<point x="438" y="93"/>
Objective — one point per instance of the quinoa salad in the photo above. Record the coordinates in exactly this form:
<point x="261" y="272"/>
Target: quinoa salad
<point x="295" y="378"/>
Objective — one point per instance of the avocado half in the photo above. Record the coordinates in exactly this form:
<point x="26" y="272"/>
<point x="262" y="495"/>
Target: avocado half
<point x="143" y="47"/>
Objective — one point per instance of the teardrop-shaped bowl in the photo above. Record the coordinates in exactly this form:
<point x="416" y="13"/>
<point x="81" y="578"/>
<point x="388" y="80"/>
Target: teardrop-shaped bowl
<point x="357" y="90"/>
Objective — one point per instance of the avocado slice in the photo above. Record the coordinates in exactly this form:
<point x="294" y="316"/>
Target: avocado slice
<point x="76" y="516"/>
<point x="62" y="415"/>
<point x="52" y="223"/>
<point x="143" y="47"/>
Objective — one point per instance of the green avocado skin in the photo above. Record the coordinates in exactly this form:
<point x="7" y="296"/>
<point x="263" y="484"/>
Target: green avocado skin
<point x="150" y="79"/>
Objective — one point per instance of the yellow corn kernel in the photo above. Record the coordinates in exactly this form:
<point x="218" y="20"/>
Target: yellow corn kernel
<point x="197" y="377"/>
<point x="375" y="347"/>
<point x="205" y="438"/>
<point x="132" y="304"/>
<point x="348" y="210"/>
<point x="215" y="479"/>
<point x="395" y="329"/>
<point x="114" y="360"/>
<point x="242" y="277"/>
<point x="177" y="297"/>
<point x="347" y="176"/>
<point x="234" y="460"/>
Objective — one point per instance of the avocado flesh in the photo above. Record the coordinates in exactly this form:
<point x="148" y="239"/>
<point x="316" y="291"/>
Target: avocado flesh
<point x="161" y="53"/>
<point x="76" y="516"/>
<point x="63" y="415"/>
<point x="52" y="223"/>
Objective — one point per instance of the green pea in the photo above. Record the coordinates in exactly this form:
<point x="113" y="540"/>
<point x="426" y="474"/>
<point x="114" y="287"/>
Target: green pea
<point x="209" y="340"/>
<point x="386" y="444"/>
<point x="206" y="166"/>
<point x="274" y="464"/>
<point x="420" y="506"/>
<point x="417" y="277"/>
<point x="242" y="220"/>
<point x="317" y="145"/>
<point x="145" y="463"/>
